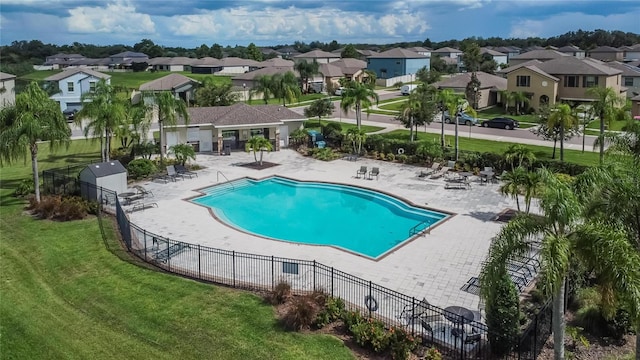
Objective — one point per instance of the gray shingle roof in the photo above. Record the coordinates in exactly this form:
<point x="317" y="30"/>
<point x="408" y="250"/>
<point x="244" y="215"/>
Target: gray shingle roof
<point x="398" y="53"/>
<point x="276" y="62"/>
<point x="518" y="66"/>
<point x="167" y="83"/>
<point x="330" y="70"/>
<point x="569" y="48"/>
<point x="543" y="54"/>
<point x="207" y="61"/>
<point x="491" y="52"/>
<point x="604" y="49"/>
<point x="446" y="50"/>
<point x="105" y="168"/>
<point x="272" y="70"/>
<point x="461" y="81"/>
<point x="130" y="54"/>
<point x="570" y="65"/>
<point x="69" y="72"/>
<point x="316" y="54"/>
<point x="240" y="114"/>
<point x="627" y="70"/>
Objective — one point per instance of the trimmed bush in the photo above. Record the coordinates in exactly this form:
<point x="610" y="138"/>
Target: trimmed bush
<point x="24" y="188"/>
<point x="401" y="343"/>
<point x="371" y="334"/>
<point x="503" y="316"/>
<point x="141" y="168"/>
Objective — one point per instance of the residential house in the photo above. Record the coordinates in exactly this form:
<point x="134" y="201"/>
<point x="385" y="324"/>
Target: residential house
<point x="287" y="52"/>
<point x="563" y="79"/>
<point x="606" y="53"/>
<point x="206" y="65"/>
<point x="630" y="77"/>
<point x="398" y="63"/>
<point x="270" y="53"/>
<point x="236" y="65"/>
<point x="635" y="107"/>
<point x="488" y="91"/>
<point x="421" y="50"/>
<point x="72" y="84"/>
<point x="247" y="81"/>
<point x="510" y="51"/>
<point x="179" y="85"/>
<point x="178" y="63"/>
<point x="447" y="52"/>
<point x="89" y="63"/>
<point x="540" y="54"/>
<point x="7" y="89"/>
<point x="630" y="53"/>
<point x="350" y="69"/>
<point x="216" y="127"/>
<point x="278" y="62"/>
<point x="498" y="57"/>
<point x="319" y="56"/>
<point x="125" y="60"/>
<point x="363" y="53"/>
<point x="573" y="51"/>
<point x="61" y="60"/>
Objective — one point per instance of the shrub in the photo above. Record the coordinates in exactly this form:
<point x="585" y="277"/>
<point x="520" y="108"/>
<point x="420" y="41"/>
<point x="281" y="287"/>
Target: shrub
<point x="401" y="343"/>
<point x="620" y="325"/>
<point x="433" y="354"/>
<point x="391" y="157"/>
<point x="351" y="318"/>
<point x="25" y="187"/>
<point x="319" y="297"/>
<point x="402" y="158"/>
<point x="122" y="155"/>
<point x="333" y="310"/>
<point x="141" y="168"/>
<point x="371" y="334"/>
<point x="382" y="156"/>
<point x="280" y="293"/>
<point x="324" y="154"/>
<point x="301" y="313"/>
<point x="503" y="315"/>
<point x="47" y="207"/>
<point x="183" y="152"/>
<point x="72" y="208"/>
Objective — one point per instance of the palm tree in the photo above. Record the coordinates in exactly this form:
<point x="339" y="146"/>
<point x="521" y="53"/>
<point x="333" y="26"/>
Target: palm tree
<point x="285" y="87"/>
<point x="357" y="138"/>
<point x="455" y="105"/>
<point x="31" y="119"/>
<point x="258" y="143"/>
<point x="369" y="78"/>
<point x="562" y="118"/>
<point x="357" y="95"/>
<point x="210" y="93"/>
<point x="306" y="70"/>
<point x="565" y="239"/>
<point x="105" y="111"/>
<point x="520" y="153"/>
<point x="169" y="107"/>
<point x="520" y="99"/>
<point x="506" y="97"/>
<point x="135" y="127"/>
<point x="445" y="97"/>
<point x="512" y="184"/>
<point x="408" y="112"/>
<point x="263" y="86"/>
<point x="606" y="100"/>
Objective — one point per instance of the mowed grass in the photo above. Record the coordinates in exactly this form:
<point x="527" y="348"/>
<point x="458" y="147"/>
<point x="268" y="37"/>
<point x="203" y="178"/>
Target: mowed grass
<point x="66" y="294"/>
<point x="542" y="152"/>
<point x="133" y="80"/>
<point x="315" y="125"/>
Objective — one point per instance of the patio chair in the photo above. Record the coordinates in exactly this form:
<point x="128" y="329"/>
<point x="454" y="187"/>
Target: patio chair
<point x="171" y="172"/>
<point x="142" y="191"/>
<point x="434" y="167"/>
<point x="374" y="172"/>
<point x="440" y="173"/>
<point x="182" y="170"/>
<point x="362" y="171"/>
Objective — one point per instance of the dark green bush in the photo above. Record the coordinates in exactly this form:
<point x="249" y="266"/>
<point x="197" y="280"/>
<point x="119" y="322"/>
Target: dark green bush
<point x="122" y="155"/>
<point x="141" y="168"/>
<point x="560" y="167"/>
<point x="25" y="187"/>
<point x="503" y="316"/>
<point x="371" y="334"/>
<point x="401" y="343"/>
<point x="324" y="154"/>
<point x="351" y="318"/>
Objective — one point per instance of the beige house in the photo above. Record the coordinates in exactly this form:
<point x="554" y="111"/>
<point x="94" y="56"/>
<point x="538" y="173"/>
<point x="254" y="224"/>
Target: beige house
<point x="7" y="89"/>
<point x="350" y="69"/>
<point x="178" y="63"/>
<point x="219" y="128"/>
<point x="179" y="85"/>
<point x="490" y="86"/>
<point x="563" y="79"/>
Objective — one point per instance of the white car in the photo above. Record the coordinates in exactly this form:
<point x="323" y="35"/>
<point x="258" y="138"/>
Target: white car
<point x="339" y="91"/>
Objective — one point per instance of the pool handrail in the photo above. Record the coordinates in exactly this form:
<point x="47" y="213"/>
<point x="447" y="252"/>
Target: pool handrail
<point x="218" y="179"/>
<point x="414" y="230"/>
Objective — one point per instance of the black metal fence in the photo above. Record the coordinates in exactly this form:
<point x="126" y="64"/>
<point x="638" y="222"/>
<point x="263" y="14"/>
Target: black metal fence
<point x="454" y="335"/>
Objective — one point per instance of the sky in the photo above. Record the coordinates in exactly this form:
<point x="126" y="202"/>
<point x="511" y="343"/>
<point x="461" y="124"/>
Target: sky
<point x="190" y="23"/>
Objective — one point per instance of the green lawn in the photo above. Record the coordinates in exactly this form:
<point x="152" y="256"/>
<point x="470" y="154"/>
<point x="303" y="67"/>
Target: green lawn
<point x="65" y="295"/>
<point x="497" y="111"/>
<point x="313" y="125"/>
<point x="615" y="125"/>
<point x="132" y="80"/>
<point x="307" y="98"/>
<point x="542" y="152"/>
<point x="393" y="100"/>
<point x="396" y="106"/>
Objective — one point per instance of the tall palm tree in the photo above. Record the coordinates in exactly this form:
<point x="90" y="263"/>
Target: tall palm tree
<point x="606" y="100"/>
<point x="445" y="97"/>
<point x="31" y="119"/>
<point x="512" y="184"/>
<point x="520" y="99"/>
<point x="135" y="127"/>
<point x="519" y="153"/>
<point x="369" y="78"/>
<point x="565" y="239"/>
<point x="306" y="70"/>
<point x="562" y="118"/>
<point x="258" y="143"/>
<point x="285" y="87"/>
<point x="169" y="108"/>
<point x="263" y="86"/>
<point x="105" y="110"/>
<point x="357" y="95"/>
<point x="455" y="105"/>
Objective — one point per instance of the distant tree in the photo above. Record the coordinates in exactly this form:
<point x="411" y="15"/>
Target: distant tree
<point x="285" y="87"/>
<point x="253" y="52"/>
<point x="209" y="93"/>
<point x="216" y="51"/>
<point x="333" y="45"/>
<point x="350" y="52"/>
<point x="438" y="65"/>
<point x="471" y="57"/>
<point x="427" y="76"/>
<point x="202" y="51"/>
<point x="306" y="70"/>
<point x="263" y="86"/>
<point x="472" y="91"/>
<point x="23" y="126"/>
<point x="489" y="66"/>
<point x="321" y="107"/>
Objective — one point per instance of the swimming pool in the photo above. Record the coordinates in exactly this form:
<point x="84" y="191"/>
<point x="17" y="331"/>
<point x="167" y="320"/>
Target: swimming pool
<point x="366" y="222"/>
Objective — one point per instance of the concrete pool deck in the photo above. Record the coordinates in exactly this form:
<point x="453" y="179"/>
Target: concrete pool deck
<point x="434" y="266"/>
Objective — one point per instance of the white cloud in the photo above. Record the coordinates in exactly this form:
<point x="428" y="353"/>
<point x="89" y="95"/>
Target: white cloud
<point x="273" y="23"/>
<point x="117" y="17"/>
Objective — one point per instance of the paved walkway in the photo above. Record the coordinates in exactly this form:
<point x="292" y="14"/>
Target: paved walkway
<point x="434" y="266"/>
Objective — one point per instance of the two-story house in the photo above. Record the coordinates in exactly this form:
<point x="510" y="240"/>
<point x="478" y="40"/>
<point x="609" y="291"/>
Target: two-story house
<point x="605" y="53"/>
<point x="564" y="79"/>
<point x="498" y="57"/>
<point x="635" y="107"/>
<point x="7" y="89"/>
<point x="630" y="53"/>
<point x="319" y="56"/>
<point x="72" y="84"/>
<point x="397" y="62"/>
<point x="447" y="52"/>
<point x="630" y="77"/>
<point x="421" y="50"/>
<point x="126" y="59"/>
<point x="573" y="51"/>
<point x="540" y="55"/>
<point x="510" y="51"/>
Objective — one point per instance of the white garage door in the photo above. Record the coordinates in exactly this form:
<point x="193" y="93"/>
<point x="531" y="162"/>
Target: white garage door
<point x="172" y="138"/>
<point x="284" y="136"/>
<point x="206" y="140"/>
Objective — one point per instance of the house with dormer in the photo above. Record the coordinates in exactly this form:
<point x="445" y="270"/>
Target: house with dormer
<point x="606" y="53"/>
<point x="573" y="51"/>
<point x="72" y="84"/>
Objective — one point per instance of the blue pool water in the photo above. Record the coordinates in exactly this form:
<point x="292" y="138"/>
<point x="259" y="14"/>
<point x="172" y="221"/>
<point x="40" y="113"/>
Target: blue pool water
<point x="362" y="221"/>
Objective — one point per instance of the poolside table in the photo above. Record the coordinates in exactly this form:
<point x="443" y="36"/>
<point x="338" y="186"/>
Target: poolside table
<point x="487" y="175"/>
<point x="458" y="315"/>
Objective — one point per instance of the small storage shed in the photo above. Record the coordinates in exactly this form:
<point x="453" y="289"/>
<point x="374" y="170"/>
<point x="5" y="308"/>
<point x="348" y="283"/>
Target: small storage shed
<point x="108" y="175"/>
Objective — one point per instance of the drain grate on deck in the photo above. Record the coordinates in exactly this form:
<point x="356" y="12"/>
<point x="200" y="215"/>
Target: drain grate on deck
<point x="472" y="286"/>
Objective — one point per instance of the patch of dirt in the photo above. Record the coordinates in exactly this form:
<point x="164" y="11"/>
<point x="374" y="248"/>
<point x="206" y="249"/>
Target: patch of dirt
<point x="598" y="349"/>
<point x="257" y="166"/>
<point x="506" y="215"/>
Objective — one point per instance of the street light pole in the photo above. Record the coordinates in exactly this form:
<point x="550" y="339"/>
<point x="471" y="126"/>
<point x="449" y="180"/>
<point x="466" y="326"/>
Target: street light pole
<point x="244" y="92"/>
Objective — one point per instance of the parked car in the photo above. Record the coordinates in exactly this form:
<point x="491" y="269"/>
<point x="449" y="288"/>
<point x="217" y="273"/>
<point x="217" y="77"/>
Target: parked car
<point x="463" y="119"/>
<point x="69" y="114"/>
<point x="339" y="91"/>
<point x="501" y="123"/>
<point x="407" y="89"/>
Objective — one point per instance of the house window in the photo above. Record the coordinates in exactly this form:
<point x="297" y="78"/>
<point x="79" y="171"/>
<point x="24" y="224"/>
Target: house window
<point x="397" y="62"/>
<point x="628" y="81"/>
<point x="257" y="132"/>
<point x="590" y="81"/>
<point x="92" y="86"/>
<point x="70" y="86"/>
<point x="571" y="81"/>
<point x="523" y="81"/>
